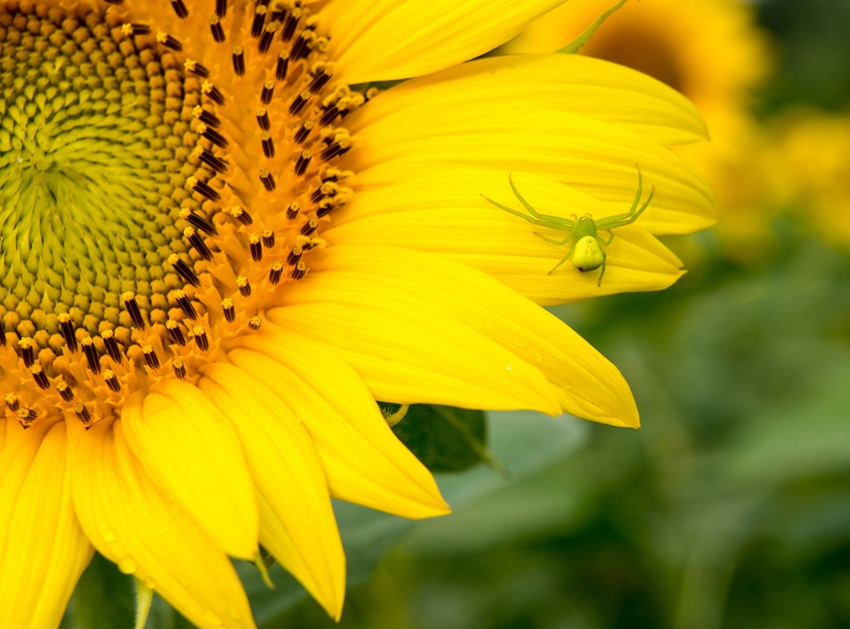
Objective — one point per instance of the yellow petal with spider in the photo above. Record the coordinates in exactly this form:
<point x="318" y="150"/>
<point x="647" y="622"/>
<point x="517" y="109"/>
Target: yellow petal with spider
<point x="297" y="523"/>
<point x="576" y="84"/>
<point x="133" y="525"/>
<point x="364" y="461"/>
<point x="444" y="213"/>
<point x="592" y="156"/>
<point x="191" y="450"/>
<point x="587" y="385"/>
<point x="43" y="550"/>
<point x="397" y="39"/>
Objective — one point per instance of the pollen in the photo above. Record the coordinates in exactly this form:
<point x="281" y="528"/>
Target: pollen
<point x="161" y="217"/>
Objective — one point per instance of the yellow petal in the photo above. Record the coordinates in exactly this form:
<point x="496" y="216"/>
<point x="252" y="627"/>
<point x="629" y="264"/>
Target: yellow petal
<point x="43" y="550"/>
<point x="190" y="450"/>
<point x="409" y="350"/>
<point x="444" y="213"/>
<point x="133" y="525"/>
<point x="570" y="83"/>
<point x="397" y="39"/>
<point x="364" y="461"/>
<point x="589" y="155"/>
<point x="587" y="384"/>
<point x="2" y="434"/>
<point x="297" y="524"/>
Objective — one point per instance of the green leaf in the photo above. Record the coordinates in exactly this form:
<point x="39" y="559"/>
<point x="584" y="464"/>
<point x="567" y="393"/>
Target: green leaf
<point x="445" y="439"/>
<point x="104" y="598"/>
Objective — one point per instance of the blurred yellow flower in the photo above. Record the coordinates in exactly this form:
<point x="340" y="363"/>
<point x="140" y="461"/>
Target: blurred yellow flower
<point x="217" y="254"/>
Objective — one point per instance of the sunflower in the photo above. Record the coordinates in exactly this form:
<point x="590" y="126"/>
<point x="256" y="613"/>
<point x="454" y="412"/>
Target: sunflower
<point x="220" y="246"/>
<point x="713" y="53"/>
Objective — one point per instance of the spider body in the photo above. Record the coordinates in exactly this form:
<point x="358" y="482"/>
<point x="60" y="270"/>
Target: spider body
<point x="586" y="246"/>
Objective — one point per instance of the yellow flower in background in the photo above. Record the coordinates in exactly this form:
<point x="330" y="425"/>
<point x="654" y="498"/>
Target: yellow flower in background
<point x="712" y="52"/>
<point x="216" y="254"/>
<point x="806" y="168"/>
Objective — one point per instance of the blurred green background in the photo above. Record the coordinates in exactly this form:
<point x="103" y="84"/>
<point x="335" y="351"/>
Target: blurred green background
<point x="729" y="508"/>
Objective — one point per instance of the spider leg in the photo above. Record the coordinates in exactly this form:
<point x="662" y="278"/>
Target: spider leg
<point x="554" y="222"/>
<point x="602" y="242"/>
<point x="553" y="241"/>
<point x="612" y="222"/>
<point x="604" y="263"/>
<point x="534" y="212"/>
<point x="564" y="259"/>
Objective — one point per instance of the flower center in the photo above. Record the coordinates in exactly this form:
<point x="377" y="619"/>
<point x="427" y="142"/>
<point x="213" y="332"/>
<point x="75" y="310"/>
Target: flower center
<point x="150" y="209"/>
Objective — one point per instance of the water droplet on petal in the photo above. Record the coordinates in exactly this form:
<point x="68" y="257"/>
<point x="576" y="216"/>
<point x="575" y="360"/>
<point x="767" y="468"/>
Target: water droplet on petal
<point x="150" y="583"/>
<point x="538" y="357"/>
<point x="109" y="535"/>
<point x="212" y="618"/>
<point x="234" y="613"/>
<point x="522" y="342"/>
<point x="127" y="565"/>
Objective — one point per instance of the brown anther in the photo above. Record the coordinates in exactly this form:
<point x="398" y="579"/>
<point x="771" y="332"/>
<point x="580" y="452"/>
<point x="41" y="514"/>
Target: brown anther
<point x="228" y="309"/>
<point x="328" y="117"/>
<point x="111" y="344"/>
<point x="263" y="118"/>
<point x="150" y="357"/>
<point x="66" y="326"/>
<point x="184" y="270"/>
<point x="203" y="189"/>
<point x="299" y="271"/>
<point x="302" y="45"/>
<point x="221" y="8"/>
<point x="12" y="402"/>
<point x="111" y="380"/>
<point x="256" y="247"/>
<point x="132" y="307"/>
<point x="169" y="41"/>
<point x="291" y="24"/>
<point x="2" y="333"/>
<point x="198" y="243"/>
<point x="185" y="304"/>
<point x="292" y="210"/>
<point x="325" y="207"/>
<point x="212" y="135"/>
<point x="304" y="131"/>
<point x="83" y="414"/>
<point x="90" y="351"/>
<point x="208" y="158"/>
<point x="175" y="333"/>
<point x="243" y="285"/>
<point x="294" y="255"/>
<point x="282" y="67"/>
<point x="336" y="149"/>
<point x="199" y="221"/>
<point x="268" y="92"/>
<point x="309" y="227"/>
<point x="259" y="21"/>
<point x="299" y="102"/>
<point x="26" y="416"/>
<point x="255" y="323"/>
<point x="268" y="179"/>
<point x="201" y="338"/>
<point x="65" y="391"/>
<point x="303" y="162"/>
<point x="180" y="9"/>
<point x="179" y="368"/>
<point x="39" y="376"/>
<point x="216" y="28"/>
<point x="268" y="144"/>
<point x="135" y="29"/>
<point x="275" y="272"/>
<point x="320" y="80"/>
<point x="27" y="346"/>
<point x="268" y="238"/>
<point x="207" y="117"/>
<point x="328" y="188"/>
<point x="212" y="92"/>
<point x="196" y="68"/>
<point x="267" y="37"/>
<point x="239" y="60"/>
<point x="241" y="215"/>
<point x="115" y="2"/>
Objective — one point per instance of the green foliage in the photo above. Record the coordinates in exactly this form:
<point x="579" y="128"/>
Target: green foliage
<point x="445" y="439"/>
<point x="104" y="597"/>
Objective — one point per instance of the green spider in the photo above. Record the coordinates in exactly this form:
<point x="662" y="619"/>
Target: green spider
<point x="586" y="248"/>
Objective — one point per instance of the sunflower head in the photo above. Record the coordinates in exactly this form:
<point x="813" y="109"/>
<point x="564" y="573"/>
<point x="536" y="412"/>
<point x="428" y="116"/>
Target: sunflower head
<point x="144" y="220"/>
